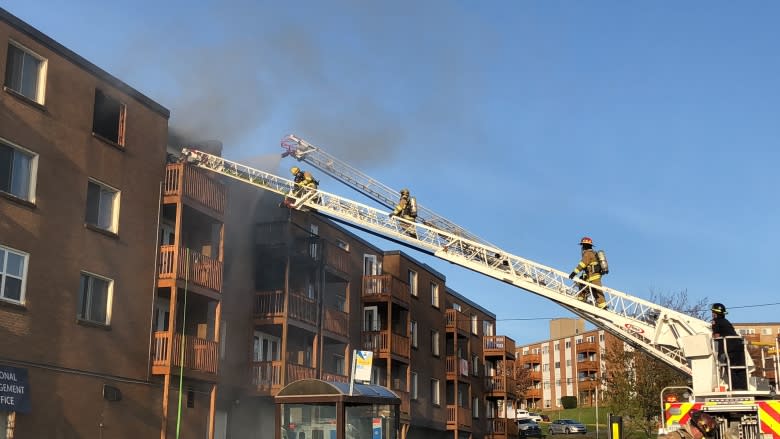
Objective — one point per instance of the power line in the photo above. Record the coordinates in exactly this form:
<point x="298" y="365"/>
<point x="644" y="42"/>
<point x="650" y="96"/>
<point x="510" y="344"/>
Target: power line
<point x="754" y="306"/>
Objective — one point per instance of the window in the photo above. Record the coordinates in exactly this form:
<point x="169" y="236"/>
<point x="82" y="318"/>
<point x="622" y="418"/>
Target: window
<point x="475" y="407"/>
<point x="338" y="364"/>
<point x="413" y="331"/>
<point x="108" y="120"/>
<point x="413" y="282"/>
<point x="17" y="171"/>
<point x="435" y="392"/>
<point x="95" y="299"/>
<point x="568" y="344"/>
<point x="557" y="383"/>
<point x="314" y="237"/>
<point x="13" y="274"/>
<point x="568" y="363"/>
<point x="342" y="245"/>
<point x="474" y="364"/>
<point x="456" y="307"/>
<point x="569" y="381"/>
<point x="557" y="364"/>
<point x="546" y="367"/>
<point x="601" y="337"/>
<point x="25" y="73"/>
<point x="435" y="343"/>
<point x="435" y="294"/>
<point x="102" y="206"/>
<point x="487" y="328"/>
<point x="414" y="386"/>
<point x="474" y="324"/>
<point x="557" y="347"/>
<point x="766" y="331"/>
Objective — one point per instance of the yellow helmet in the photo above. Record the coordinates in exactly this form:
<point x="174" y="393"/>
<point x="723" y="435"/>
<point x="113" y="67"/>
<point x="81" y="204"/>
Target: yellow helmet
<point x="404" y="191"/>
<point x="294" y="170"/>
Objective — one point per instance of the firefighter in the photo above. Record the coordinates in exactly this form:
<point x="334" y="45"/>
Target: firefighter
<point x="589" y="267"/>
<point x="303" y="180"/>
<point x="406" y="209"/>
<point x="700" y="425"/>
<point x="734" y="349"/>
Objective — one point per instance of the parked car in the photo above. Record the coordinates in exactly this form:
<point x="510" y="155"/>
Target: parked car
<point x="567" y="426"/>
<point x="527" y="427"/>
<point x="536" y="417"/>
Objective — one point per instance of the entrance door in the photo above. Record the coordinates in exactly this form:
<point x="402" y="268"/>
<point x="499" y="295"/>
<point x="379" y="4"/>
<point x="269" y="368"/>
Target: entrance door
<point x="371" y="319"/>
<point x="162" y="313"/>
<point x="266" y="347"/>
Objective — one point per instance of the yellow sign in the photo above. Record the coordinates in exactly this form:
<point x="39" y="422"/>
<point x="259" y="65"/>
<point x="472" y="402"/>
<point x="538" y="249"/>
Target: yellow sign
<point x="363" y="361"/>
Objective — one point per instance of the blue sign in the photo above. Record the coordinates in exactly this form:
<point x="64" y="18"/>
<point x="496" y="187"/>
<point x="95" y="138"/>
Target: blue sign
<point x="14" y="390"/>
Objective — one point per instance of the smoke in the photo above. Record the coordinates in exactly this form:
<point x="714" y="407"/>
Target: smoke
<point x="361" y="80"/>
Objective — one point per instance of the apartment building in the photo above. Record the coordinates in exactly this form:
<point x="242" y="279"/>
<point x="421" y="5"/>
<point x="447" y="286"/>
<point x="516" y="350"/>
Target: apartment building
<point x="763" y="340"/>
<point x="82" y="156"/>
<point x="568" y="365"/>
<point x="316" y="293"/>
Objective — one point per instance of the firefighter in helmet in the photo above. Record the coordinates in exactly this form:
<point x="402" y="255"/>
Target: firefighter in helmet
<point x="731" y="351"/>
<point x="591" y="272"/>
<point x="699" y="426"/>
<point x="303" y="181"/>
<point x="406" y="209"/>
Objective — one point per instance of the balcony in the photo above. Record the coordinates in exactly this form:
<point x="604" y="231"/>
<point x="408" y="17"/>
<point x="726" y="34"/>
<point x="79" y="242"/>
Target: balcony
<point x="535" y="375"/>
<point x="271" y="305"/>
<point x="267" y="375"/>
<point x="498" y="345"/>
<point x="587" y="365"/>
<point x="499" y="385"/>
<point x="383" y="288"/>
<point x="458" y="418"/>
<point x="587" y="347"/>
<point x="188" y="183"/>
<point x="201" y="356"/>
<point x="335" y="377"/>
<point x="386" y="343"/>
<point x="189" y="265"/>
<point x="531" y="359"/>
<point x="336" y="321"/>
<point x="405" y="404"/>
<point x="336" y="257"/>
<point x="457" y="368"/>
<point x="533" y="394"/>
<point x="587" y="384"/>
<point x="501" y="428"/>
<point x="458" y="320"/>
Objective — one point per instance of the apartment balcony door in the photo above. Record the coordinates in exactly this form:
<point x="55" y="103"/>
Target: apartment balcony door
<point x="371" y="266"/>
<point x="266" y="347"/>
<point x="162" y="313"/>
<point x="371" y="320"/>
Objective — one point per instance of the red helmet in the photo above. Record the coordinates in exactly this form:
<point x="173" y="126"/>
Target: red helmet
<point x="586" y="240"/>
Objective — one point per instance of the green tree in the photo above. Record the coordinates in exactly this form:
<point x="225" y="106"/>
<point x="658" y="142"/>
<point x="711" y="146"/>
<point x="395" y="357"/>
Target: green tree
<point x="635" y="379"/>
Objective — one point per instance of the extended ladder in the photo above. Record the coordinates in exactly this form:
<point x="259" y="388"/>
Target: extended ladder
<point x="655" y="329"/>
<point x="302" y="150"/>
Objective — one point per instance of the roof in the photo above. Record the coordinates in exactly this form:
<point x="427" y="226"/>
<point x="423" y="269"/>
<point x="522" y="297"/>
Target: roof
<point x="314" y="387"/>
<point x="80" y="61"/>
<point x="469" y="302"/>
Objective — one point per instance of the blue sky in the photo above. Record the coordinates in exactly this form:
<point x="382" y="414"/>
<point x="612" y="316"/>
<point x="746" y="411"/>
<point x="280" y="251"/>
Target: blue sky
<point x="650" y="126"/>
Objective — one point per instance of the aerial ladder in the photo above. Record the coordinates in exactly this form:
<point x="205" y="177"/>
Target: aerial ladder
<point x="677" y="339"/>
<point x="304" y="151"/>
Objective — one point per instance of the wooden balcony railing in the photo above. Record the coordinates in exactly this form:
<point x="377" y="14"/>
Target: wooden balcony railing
<point x="405" y="405"/>
<point x="328" y="376"/>
<point x="383" y="287"/>
<point x="587" y="365"/>
<point x="269" y="304"/>
<point x="533" y="393"/>
<point x="199" y="354"/>
<point x="531" y="359"/>
<point x="456" y="319"/>
<point x="463" y="416"/>
<point x="588" y="347"/>
<point x="191" y="265"/>
<point x="535" y="375"/>
<point x="336" y="321"/>
<point x="336" y="257"/>
<point x="502" y="427"/>
<point x="498" y="345"/>
<point x="267" y="375"/>
<point x="184" y="180"/>
<point x="379" y="342"/>
<point x="499" y="384"/>
<point x="457" y="366"/>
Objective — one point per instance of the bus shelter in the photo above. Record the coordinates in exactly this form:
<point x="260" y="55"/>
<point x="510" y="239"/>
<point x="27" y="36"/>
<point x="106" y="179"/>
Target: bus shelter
<point x="316" y="409"/>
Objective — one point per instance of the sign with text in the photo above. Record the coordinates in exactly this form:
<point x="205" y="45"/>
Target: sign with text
<point x="363" y="361"/>
<point x="376" y="428"/>
<point x="14" y="390"/>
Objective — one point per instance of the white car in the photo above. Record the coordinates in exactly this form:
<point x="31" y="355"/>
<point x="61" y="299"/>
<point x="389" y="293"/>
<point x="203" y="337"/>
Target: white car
<point x="524" y="414"/>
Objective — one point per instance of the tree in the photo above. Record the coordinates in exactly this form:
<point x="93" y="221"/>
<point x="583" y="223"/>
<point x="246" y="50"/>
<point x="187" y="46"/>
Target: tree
<point x="523" y="381"/>
<point x="635" y="379"/>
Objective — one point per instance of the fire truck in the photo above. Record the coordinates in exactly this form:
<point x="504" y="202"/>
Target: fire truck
<point x="679" y="340"/>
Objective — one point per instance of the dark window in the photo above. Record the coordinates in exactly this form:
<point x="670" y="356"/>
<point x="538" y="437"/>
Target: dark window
<point x="190" y="399"/>
<point x="16" y="167"/>
<point x="94" y="299"/>
<point x="101" y="205"/>
<point x="23" y="73"/>
<point x="109" y="118"/>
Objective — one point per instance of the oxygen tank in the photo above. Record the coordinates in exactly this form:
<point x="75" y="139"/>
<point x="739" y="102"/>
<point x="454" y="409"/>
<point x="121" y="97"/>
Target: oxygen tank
<point x="601" y="257"/>
<point x="413" y="207"/>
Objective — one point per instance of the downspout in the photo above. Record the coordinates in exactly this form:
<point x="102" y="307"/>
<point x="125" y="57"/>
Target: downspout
<point x="154" y="283"/>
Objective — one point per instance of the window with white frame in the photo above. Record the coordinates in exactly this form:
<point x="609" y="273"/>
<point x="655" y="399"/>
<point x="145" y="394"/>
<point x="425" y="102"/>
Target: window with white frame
<point x="487" y="328"/>
<point x="95" y="297"/>
<point x="456" y="307"/>
<point x="474" y="324"/>
<point x="414" y="386"/>
<point x="13" y="274"/>
<point x="435" y="342"/>
<point x="102" y="206"/>
<point x="413" y="282"/>
<point x="435" y="294"/>
<point x="435" y="392"/>
<point x="342" y="245"/>
<point x="18" y="168"/>
<point x="766" y="331"/>
<point x="413" y="332"/>
<point x="25" y="72"/>
<point x="475" y="364"/>
<point x="568" y="344"/>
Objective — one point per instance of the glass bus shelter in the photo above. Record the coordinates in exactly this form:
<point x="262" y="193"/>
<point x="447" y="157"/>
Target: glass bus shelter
<point x="316" y="409"/>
